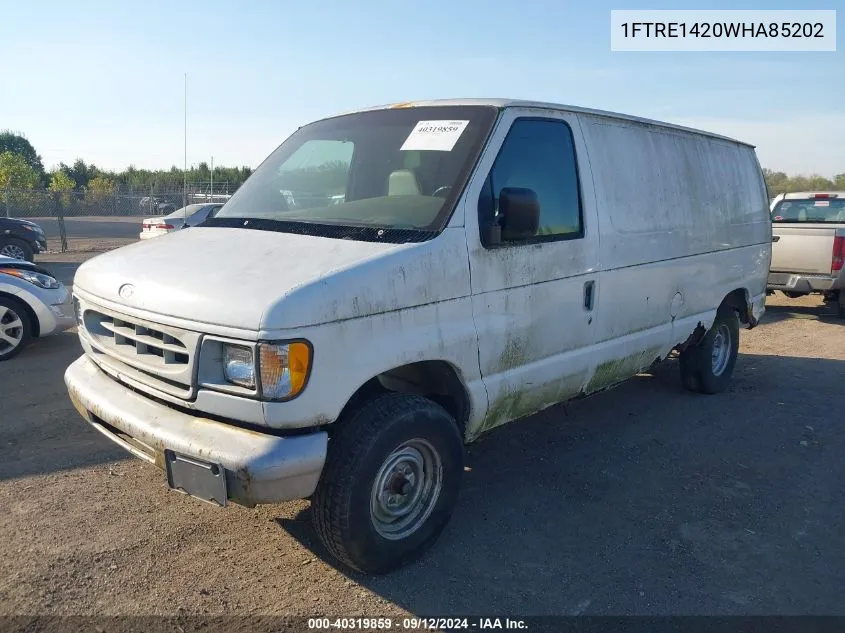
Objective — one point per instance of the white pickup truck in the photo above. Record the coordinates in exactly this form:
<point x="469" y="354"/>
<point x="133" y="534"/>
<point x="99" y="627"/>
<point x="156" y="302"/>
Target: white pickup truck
<point x="808" y="249"/>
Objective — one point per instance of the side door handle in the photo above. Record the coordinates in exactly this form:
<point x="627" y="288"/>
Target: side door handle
<point x="775" y="238"/>
<point x="589" y="293"/>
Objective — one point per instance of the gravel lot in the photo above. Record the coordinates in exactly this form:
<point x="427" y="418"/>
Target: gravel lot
<point x="641" y="500"/>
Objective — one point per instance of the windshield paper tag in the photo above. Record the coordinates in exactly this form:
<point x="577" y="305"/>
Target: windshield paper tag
<point x="435" y="136"/>
<point x="822" y="203"/>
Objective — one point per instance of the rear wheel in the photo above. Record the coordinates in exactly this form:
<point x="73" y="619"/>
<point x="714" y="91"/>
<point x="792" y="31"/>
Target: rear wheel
<point x="390" y="482"/>
<point x="19" y="249"/>
<point x="15" y="328"/>
<point x="840" y="304"/>
<point x="708" y="366"/>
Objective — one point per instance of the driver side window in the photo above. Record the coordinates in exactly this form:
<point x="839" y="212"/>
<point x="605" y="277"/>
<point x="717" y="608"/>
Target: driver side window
<point x="538" y="154"/>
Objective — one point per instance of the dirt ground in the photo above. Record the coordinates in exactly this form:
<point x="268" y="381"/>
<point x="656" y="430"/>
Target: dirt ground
<point x="642" y="500"/>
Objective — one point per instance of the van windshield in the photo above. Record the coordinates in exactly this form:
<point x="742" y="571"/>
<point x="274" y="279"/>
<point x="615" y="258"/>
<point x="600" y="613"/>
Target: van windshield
<point x="818" y="210"/>
<point x="387" y="175"/>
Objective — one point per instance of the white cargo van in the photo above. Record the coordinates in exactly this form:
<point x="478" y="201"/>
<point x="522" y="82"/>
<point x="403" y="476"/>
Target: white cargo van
<point x="443" y="268"/>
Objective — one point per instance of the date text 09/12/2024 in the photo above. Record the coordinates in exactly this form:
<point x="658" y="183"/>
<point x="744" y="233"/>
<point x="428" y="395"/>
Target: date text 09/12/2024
<point x="416" y="624"/>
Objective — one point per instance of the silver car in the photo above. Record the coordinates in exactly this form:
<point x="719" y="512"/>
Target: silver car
<point x="33" y="304"/>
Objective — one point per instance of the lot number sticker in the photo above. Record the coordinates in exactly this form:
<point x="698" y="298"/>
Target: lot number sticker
<point x="822" y="203"/>
<point x="436" y="136"/>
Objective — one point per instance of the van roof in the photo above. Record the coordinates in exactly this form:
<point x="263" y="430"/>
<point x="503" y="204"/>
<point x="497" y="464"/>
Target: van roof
<point x="520" y="103"/>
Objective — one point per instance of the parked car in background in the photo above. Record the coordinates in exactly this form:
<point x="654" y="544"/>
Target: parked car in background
<point x="33" y="304"/>
<point x="21" y="239"/>
<point x="156" y="205"/>
<point x="808" y="245"/>
<point x="182" y="218"/>
<point x="488" y="259"/>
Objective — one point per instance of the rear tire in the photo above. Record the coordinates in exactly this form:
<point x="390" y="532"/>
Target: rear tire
<point x="840" y="304"/>
<point x="390" y="482"/>
<point x="15" y="328"/>
<point x="707" y="367"/>
<point x="19" y="249"/>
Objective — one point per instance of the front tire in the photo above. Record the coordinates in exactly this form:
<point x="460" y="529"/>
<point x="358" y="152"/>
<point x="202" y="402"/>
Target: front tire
<point x="19" y="249"/>
<point x="15" y="328"/>
<point x="390" y="482"/>
<point x="707" y="367"/>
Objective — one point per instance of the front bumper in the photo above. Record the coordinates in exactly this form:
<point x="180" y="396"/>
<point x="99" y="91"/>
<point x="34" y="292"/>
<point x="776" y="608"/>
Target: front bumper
<point x="259" y="468"/>
<point x="52" y="307"/>
<point x="797" y="282"/>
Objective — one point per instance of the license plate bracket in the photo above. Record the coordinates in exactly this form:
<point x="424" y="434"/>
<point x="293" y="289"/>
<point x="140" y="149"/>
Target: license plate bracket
<point x="196" y="478"/>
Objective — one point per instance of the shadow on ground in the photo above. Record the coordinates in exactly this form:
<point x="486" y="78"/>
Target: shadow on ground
<point x="646" y="499"/>
<point x="42" y="432"/>
<point x="824" y="312"/>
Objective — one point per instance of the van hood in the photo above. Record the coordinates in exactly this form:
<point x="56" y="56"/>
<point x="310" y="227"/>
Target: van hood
<point x="230" y="277"/>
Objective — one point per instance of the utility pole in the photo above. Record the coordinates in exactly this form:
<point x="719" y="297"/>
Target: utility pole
<point x="185" y="172"/>
<point x="211" y="187"/>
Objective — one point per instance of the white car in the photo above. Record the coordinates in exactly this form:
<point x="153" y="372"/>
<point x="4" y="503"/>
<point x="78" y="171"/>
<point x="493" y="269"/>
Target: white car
<point x="182" y="218"/>
<point x="489" y="259"/>
<point x="33" y="304"/>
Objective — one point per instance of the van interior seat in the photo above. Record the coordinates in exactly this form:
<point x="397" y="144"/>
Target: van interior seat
<point x="402" y="182"/>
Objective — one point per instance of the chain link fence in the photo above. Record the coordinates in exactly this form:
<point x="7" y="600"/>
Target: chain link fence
<point x="123" y="202"/>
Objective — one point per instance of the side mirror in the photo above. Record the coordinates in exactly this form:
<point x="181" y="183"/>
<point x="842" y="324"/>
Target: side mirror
<point x="519" y="213"/>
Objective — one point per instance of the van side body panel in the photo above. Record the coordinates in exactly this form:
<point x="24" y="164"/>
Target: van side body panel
<point x="684" y="221"/>
<point x="674" y="222"/>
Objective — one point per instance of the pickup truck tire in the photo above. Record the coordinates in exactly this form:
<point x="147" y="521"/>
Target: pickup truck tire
<point x="707" y="367"/>
<point x="19" y="249"/>
<point x="840" y="304"/>
<point x="15" y="328"/>
<point x="390" y="482"/>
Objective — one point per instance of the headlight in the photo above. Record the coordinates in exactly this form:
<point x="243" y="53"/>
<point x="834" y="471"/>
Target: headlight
<point x="39" y="279"/>
<point x="239" y="366"/>
<point x="284" y="369"/>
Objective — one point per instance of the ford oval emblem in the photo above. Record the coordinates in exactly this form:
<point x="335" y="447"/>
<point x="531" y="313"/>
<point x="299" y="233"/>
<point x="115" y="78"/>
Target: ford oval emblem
<point x="126" y="291"/>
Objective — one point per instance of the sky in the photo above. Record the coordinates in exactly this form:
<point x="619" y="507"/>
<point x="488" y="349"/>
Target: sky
<point x="105" y="81"/>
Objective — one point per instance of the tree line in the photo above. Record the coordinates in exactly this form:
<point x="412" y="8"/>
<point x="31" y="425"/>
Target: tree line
<point x="21" y="168"/>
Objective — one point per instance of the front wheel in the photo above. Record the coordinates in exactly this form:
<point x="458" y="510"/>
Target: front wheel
<point x="390" y="482"/>
<point x="708" y="366"/>
<point x="17" y="249"/>
<point x="15" y="328"/>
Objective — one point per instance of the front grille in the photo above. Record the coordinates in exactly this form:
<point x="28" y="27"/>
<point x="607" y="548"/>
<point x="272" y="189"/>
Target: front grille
<point x="155" y="355"/>
<point x="146" y="341"/>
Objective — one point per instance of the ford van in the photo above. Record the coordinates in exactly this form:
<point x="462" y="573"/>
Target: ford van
<point x="392" y="283"/>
